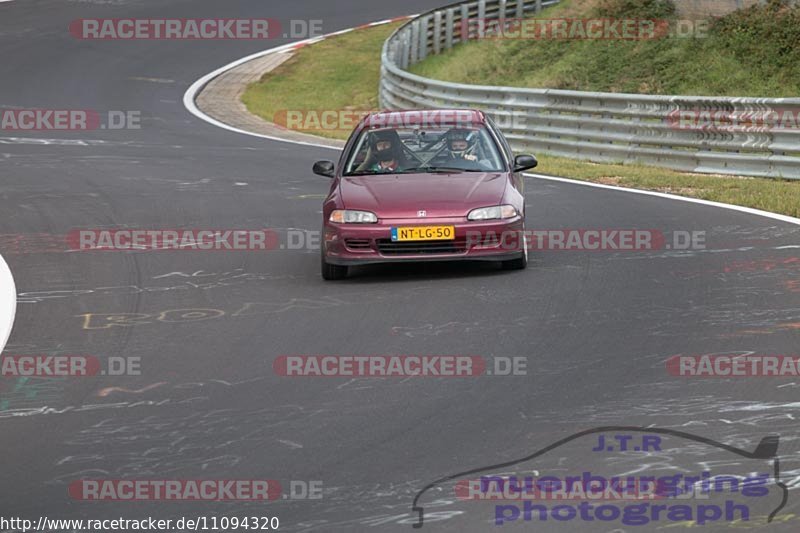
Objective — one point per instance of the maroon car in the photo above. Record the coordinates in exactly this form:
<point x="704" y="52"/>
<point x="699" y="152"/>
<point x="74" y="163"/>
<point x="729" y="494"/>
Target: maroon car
<point x="434" y="185"/>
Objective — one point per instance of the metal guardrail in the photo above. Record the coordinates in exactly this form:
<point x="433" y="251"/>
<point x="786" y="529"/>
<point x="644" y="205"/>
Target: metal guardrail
<point x="605" y="127"/>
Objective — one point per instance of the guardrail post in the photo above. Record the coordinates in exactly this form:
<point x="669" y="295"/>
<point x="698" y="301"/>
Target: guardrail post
<point x="414" y="42"/>
<point x="437" y="32"/>
<point x="394" y="52"/>
<point x="423" y="38"/>
<point x="538" y="6"/>
<point x="481" y="18"/>
<point x="448" y="29"/>
<point x="520" y="9"/>
<point x="405" y="50"/>
<point x="464" y="23"/>
<point x="501" y="15"/>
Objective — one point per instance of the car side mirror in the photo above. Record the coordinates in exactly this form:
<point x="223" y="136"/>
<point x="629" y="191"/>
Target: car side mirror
<point x="524" y="162"/>
<point x="324" y="168"/>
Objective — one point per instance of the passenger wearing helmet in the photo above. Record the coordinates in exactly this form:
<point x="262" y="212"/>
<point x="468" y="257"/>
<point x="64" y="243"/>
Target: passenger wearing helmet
<point x="461" y="145"/>
<point x="461" y="150"/>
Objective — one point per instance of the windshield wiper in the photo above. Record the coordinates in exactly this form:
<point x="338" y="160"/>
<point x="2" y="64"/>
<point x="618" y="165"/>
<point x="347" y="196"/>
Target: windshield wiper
<point x="441" y="170"/>
<point x="418" y="170"/>
<point x="365" y="173"/>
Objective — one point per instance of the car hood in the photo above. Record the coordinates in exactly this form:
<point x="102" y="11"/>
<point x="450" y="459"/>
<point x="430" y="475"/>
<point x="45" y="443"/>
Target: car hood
<point x="440" y="195"/>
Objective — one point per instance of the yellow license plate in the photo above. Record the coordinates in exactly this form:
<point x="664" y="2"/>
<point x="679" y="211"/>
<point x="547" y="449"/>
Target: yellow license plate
<point x="424" y="233"/>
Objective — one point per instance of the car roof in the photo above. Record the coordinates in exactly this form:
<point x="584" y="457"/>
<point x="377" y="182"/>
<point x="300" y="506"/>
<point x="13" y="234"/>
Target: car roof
<point x="424" y="118"/>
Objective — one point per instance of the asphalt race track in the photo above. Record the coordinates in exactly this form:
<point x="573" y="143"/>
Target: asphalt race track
<point x="595" y="327"/>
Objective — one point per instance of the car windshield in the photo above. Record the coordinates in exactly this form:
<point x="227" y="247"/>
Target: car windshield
<point x="423" y="150"/>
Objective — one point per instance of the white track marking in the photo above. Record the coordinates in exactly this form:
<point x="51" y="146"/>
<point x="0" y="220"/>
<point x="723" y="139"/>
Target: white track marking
<point x="8" y="302"/>
<point x="749" y="210"/>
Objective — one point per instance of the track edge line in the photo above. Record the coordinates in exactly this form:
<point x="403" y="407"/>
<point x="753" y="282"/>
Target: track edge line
<point x="7" y="312"/>
<point x="710" y="203"/>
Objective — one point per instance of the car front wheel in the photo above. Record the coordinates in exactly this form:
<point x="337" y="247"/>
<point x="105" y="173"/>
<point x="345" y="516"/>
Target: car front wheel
<point x="332" y="272"/>
<point x="520" y="262"/>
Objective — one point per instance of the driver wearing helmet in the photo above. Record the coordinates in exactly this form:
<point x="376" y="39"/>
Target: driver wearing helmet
<point x="384" y="152"/>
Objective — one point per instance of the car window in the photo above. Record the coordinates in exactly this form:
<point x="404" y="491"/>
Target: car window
<point x="503" y="141"/>
<point x="419" y="150"/>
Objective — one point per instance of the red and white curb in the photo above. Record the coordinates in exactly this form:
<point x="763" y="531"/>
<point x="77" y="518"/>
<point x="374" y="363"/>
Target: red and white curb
<point x="191" y="94"/>
<point x="8" y="302"/>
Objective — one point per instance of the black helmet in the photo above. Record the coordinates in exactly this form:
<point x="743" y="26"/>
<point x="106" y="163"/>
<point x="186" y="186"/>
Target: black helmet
<point x="386" y="154"/>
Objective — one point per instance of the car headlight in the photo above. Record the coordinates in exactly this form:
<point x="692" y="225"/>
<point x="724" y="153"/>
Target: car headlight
<point x="492" y="213"/>
<point x="347" y="216"/>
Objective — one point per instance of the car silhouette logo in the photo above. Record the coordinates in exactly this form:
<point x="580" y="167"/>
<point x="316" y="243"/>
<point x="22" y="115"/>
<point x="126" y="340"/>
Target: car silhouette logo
<point x="765" y="452"/>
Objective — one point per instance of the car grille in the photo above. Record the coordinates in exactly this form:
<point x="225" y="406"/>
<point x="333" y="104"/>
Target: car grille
<point x="388" y="247"/>
<point x="357" y="244"/>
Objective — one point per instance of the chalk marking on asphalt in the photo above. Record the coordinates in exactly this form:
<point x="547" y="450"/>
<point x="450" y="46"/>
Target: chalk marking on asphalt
<point x="191" y="94"/>
<point x="8" y="302"/>
<point x="108" y="390"/>
<point x="49" y="142"/>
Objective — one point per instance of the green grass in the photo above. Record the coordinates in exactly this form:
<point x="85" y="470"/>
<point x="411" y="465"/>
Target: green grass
<point x="753" y="52"/>
<point x="343" y="73"/>
<point x="335" y="74"/>
<point x="775" y="195"/>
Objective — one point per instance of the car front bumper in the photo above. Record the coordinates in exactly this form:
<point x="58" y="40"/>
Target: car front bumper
<point x="362" y="244"/>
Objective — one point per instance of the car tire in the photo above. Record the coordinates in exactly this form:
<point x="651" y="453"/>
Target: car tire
<point x="520" y="263"/>
<point x="332" y="272"/>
